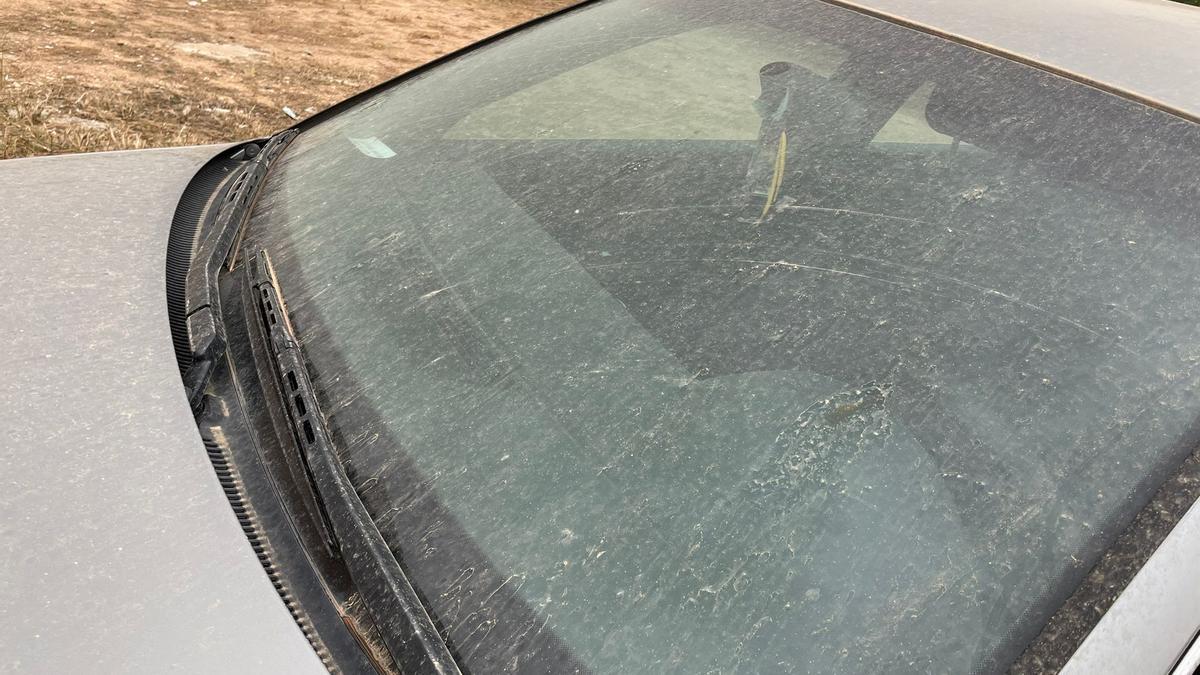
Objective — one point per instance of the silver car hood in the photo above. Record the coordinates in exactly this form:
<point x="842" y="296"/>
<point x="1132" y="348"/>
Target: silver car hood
<point x="118" y="549"/>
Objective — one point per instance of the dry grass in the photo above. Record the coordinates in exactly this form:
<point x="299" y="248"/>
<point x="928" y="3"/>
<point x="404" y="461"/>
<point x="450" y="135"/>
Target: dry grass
<point x="109" y="74"/>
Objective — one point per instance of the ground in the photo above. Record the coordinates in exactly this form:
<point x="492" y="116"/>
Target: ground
<point x="86" y="75"/>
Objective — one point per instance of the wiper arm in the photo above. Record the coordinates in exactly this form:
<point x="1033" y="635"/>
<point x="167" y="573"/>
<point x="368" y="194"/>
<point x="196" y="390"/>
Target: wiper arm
<point x="218" y="232"/>
<point x="407" y="630"/>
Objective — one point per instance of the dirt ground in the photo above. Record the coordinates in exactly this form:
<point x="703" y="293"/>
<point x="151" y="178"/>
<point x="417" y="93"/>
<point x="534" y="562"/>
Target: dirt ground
<point x="86" y="75"/>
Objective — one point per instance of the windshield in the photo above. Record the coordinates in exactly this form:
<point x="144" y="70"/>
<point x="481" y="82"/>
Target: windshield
<point x="744" y="337"/>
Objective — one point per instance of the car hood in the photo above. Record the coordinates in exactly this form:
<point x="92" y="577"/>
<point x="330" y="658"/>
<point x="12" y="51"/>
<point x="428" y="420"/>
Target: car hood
<point x="118" y="548"/>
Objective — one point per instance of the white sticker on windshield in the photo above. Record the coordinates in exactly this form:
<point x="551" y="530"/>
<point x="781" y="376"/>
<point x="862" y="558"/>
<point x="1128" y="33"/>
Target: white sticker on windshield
<point x="373" y="147"/>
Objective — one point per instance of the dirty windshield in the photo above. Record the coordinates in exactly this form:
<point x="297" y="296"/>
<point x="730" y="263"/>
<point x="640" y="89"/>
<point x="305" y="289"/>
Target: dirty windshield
<point x="751" y="336"/>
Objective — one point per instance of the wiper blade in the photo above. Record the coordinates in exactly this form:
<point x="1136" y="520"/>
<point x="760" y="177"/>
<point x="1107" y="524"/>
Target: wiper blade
<point x="407" y="630"/>
<point x="217" y="238"/>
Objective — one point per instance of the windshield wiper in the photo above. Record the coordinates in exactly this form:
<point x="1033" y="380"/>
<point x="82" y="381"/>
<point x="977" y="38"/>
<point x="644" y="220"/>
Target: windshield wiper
<point x="216" y="239"/>
<point x="407" y="630"/>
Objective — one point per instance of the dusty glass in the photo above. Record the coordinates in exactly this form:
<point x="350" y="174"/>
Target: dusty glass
<point x="744" y="337"/>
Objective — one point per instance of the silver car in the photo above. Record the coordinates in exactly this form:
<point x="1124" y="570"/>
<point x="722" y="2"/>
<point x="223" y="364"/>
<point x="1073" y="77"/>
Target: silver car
<point x="655" y="336"/>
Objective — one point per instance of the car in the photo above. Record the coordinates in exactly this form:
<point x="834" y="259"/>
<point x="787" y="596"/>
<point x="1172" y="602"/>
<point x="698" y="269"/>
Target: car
<point x="779" y="336"/>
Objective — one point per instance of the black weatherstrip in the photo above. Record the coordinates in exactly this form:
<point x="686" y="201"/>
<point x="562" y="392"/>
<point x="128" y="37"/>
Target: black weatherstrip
<point x="196" y="200"/>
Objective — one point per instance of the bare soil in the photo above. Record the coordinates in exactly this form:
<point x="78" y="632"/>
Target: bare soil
<point x="88" y="75"/>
